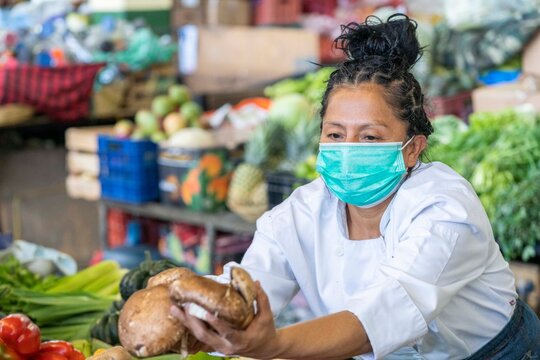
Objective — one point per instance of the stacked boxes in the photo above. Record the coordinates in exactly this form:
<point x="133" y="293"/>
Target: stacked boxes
<point x="82" y="162"/>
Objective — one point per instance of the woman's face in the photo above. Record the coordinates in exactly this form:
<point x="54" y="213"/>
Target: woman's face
<point x="360" y="114"/>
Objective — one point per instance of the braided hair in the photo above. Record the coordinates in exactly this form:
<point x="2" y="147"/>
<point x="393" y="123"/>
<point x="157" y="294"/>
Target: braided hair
<point x="383" y="53"/>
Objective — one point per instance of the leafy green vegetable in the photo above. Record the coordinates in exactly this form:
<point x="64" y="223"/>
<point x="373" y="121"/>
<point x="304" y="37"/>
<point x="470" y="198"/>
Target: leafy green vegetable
<point x="13" y="273"/>
<point x="499" y="154"/>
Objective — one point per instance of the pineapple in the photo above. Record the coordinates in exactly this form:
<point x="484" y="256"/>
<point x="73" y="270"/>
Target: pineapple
<point x="302" y="142"/>
<point x="264" y="148"/>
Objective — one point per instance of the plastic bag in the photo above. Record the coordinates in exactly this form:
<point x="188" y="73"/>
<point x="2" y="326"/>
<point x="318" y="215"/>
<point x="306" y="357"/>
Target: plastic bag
<point x="471" y="14"/>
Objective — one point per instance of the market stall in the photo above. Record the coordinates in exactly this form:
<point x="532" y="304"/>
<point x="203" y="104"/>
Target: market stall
<point x="177" y="125"/>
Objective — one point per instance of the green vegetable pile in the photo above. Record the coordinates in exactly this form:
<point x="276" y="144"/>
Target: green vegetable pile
<point x="106" y="328"/>
<point x="65" y="308"/>
<point x="499" y="153"/>
<point x="312" y="85"/>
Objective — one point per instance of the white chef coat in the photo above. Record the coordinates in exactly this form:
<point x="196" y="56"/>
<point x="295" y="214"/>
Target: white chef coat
<point x="435" y="278"/>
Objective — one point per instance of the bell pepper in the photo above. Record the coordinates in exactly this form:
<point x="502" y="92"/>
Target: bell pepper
<point x="20" y="334"/>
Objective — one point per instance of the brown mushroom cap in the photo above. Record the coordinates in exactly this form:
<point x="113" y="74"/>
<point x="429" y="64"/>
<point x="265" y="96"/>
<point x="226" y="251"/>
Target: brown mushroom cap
<point x="244" y="284"/>
<point x="168" y="276"/>
<point x="222" y="300"/>
<point x="146" y="327"/>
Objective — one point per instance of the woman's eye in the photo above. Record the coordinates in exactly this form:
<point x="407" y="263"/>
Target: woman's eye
<point x="334" y="136"/>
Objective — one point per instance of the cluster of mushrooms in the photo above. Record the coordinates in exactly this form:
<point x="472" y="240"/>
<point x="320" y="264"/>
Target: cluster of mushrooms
<point x="147" y="328"/>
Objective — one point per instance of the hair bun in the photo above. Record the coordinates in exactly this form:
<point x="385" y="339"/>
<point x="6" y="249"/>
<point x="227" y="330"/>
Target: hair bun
<point x="392" y="43"/>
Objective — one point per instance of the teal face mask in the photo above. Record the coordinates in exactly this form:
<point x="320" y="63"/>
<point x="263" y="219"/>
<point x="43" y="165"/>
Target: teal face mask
<point x="362" y="174"/>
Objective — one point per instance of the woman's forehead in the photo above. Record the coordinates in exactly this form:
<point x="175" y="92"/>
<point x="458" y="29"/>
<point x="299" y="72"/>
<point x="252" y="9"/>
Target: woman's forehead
<point x="360" y="105"/>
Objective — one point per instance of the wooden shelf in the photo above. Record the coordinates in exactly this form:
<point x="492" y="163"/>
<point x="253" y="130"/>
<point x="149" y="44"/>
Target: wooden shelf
<point x="212" y="222"/>
<point x="224" y="221"/>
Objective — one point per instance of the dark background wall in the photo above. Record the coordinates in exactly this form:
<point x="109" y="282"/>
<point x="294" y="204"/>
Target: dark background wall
<point x="35" y="206"/>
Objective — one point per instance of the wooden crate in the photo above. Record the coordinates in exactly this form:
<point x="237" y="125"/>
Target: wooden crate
<point x="83" y="187"/>
<point x="83" y="163"/>
<point x="85" y="139"/>
<point x="527" y="275"/>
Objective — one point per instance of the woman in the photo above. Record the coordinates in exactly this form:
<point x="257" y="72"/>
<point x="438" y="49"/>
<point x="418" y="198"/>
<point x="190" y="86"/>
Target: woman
<point x="388" y="251"/>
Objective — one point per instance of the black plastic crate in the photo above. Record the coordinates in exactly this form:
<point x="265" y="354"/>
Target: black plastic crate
<point x="281" y="185"/>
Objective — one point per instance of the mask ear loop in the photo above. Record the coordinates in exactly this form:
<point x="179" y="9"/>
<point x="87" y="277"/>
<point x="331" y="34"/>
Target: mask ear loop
<point x="409" y="170"/>
<point x="408" y="142"/>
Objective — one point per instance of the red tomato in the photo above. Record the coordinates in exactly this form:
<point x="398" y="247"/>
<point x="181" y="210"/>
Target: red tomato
<point x="11" y="327"/>
<point x="63" y="348"/>
<point x="29" y="340"/>
<point x="20" y="334"/>
<point x="48" y="356"/>
<point x="77" y="355"/>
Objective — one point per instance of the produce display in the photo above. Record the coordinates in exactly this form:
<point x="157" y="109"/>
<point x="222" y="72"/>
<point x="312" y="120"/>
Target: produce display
<point x="168" y="114"/>
<point x="50" y="318"/>
<point x="499" y="153"/>
<point x="64" y="308"/>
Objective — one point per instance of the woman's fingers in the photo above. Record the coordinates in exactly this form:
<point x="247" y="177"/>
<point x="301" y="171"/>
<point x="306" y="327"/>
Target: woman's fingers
<point x="200" y="330"/>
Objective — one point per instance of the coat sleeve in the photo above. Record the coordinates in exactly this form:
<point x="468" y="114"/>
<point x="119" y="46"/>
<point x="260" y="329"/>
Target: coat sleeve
<point x="438" y="254"/>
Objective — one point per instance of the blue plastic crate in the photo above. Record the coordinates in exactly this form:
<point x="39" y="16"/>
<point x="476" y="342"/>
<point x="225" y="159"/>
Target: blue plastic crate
<point x="126" y="156"/>
<point x="129" y="190"/>
<point x="128" y="169"/>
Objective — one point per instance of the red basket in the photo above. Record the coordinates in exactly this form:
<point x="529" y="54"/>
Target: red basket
<point x="61" y="93"/>
<point x="277" y="12"/>
<point x="117" y="221"/>
<point x="459" y="105"/>
<point x="323" y="7"/>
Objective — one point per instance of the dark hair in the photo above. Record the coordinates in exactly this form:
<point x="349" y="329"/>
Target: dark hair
<point x="383" y="53"/>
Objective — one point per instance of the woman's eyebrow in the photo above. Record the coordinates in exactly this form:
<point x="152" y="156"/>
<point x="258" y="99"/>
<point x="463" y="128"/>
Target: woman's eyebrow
<point x="362" y="126"/>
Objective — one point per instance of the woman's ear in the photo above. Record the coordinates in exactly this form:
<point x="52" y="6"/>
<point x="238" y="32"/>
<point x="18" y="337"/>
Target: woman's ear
<point x="412" y="152"/>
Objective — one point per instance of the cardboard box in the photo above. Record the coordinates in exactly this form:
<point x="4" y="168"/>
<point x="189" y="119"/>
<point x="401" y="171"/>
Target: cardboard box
<point x="531" y="56"/>
<point x="83" y="187"/>
<point x="211" y="12"/>
<point x="187" y="12"/>
<point x="83" y="163"/>
<point x="499" y="97"/>
<point x="528" y="282"/>
<point x="227" y="12"/>
<point x="85" y="138"/>
<point x="218" y="59"/>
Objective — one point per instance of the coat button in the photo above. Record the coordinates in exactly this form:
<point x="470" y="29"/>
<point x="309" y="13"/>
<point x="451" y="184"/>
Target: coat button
<point x="339" y="251"/>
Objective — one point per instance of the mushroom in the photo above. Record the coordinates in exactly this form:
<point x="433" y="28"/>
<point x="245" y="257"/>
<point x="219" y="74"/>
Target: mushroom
<point x="233" y="303"/>
<point x="168" y="276"/>
<point x="146" y="327"/>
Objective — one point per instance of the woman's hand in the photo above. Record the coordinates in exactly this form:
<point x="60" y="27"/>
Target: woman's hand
<point x="258" y="340"/>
